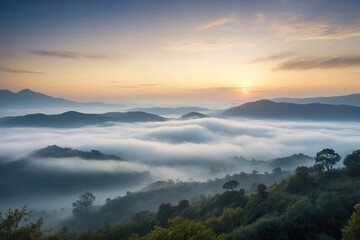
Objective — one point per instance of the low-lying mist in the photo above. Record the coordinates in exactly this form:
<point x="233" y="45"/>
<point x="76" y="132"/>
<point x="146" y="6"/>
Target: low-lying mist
<point x="188" y="150"/>
<point x="173" y="142"/>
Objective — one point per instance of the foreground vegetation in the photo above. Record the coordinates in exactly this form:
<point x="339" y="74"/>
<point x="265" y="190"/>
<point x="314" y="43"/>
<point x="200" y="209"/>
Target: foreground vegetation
<point x="315" y="203"/>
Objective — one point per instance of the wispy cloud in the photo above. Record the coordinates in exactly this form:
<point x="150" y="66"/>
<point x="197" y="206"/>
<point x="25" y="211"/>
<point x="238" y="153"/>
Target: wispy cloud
<point x="324" y="63"/>
<point x="193" y="46"/>
<point x="124" y="86"/>
<point x="135" y="86"/>
<point x="147" y="85"/>
<point x="18" y="70"/>
<point x="298" y="27"/>
<point x="273" y="57"/>
<point x="218" y="22"/>
<point x="221" y="89"/>
<point x="73" y="55"/>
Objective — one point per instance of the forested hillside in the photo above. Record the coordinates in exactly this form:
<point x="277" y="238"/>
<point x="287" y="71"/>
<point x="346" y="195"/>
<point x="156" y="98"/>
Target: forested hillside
<point x="314" y="203"/>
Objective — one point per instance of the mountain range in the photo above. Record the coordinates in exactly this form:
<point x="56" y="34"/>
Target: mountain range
<point x="352" y="100"/>
<point x="27" y="98"/>
<point x="169" y="111"/>
<point x="266" y="109"/>
<point x="76" y="119"/>
<point x="262" y="109"/>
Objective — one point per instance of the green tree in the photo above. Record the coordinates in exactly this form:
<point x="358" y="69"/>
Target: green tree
<point x="352" y="162"/>
<point x="164" y="213"/>
<point x="261" y="188"/>
<point x="16" y="225"/>
<point x="264" y="228"/>
<point x="84" y="203"/>
<point x="181" y="229"/>
<point x="318" y="167"/>
<point x="231" y="185"/>
<point x="301" y="181"/>
<point x="277" y="171"/>
<point x="300" y="219"/>
<point x="352" y="230"/>
<point x="328" y="158"/>
<point x="228" y="221"/>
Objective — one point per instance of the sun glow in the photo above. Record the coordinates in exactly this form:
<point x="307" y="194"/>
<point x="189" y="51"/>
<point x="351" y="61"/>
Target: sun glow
<point x="244" y="86"/>
<point x="245" y="91"/>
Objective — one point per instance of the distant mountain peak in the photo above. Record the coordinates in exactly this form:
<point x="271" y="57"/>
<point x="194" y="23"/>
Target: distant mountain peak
<point x="71" y="113"/>
<point x="193" y="115"/>
<point x="26" y="90"/>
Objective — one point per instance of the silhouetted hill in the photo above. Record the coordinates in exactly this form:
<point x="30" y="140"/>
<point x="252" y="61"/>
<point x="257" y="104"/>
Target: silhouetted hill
<point x="193" y="115"/>
<point x="285" y="163"/>
<point x="291" y="162"/>
<point x="122" y="209"/>
<point x="134" y="117"/>
<point x="268" y="109"/>
<point x="307" y="205"/>
<point x="59" y="152"/>
<point x="352" y="99"/>
<point x="29" y="99"/>
<point x="24" y="179"/>
<point x="76" y="119"/>
<point x="171" y="111"/>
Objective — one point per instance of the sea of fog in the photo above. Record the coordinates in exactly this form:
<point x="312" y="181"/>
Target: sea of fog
<point x="187" y="150"/>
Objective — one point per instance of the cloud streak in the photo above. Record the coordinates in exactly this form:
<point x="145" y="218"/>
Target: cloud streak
<point x="73" y="55"/>
<point x="298" y="27"/>
<point x="145" y="85"/>
<point x="274" y="57"/>
<point x="218" y="22"/>
<point x="321" y="63"/>
<point x="19" y="71"/>
<point x="194" y="46"/>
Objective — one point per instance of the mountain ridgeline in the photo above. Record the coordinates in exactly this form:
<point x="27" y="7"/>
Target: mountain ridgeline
<point x="60" y="152"/>
<point x="27" y="98"/>
<point x="352" y="100"/>
<point x="266" y="109"/>
<point x="77" y="119"/>
<point x="165" y="111"/>
<point x="285" y="163"/>
<point x="263" y="109"/>
<point x="339" y="108"/>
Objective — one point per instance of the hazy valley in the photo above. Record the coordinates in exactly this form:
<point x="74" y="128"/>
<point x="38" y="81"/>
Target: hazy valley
<point x="180" y="120"/>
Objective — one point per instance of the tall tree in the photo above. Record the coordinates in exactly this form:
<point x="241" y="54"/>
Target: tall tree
<point x="261" y="188"/>
<point x="328" y="158"/>
<point x="231" y="185"/>
<point x="84" y="203"/>
<point x="352" y="162"/>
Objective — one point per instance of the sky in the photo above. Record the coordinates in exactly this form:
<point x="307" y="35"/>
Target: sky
<point x="186" y="51"/>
